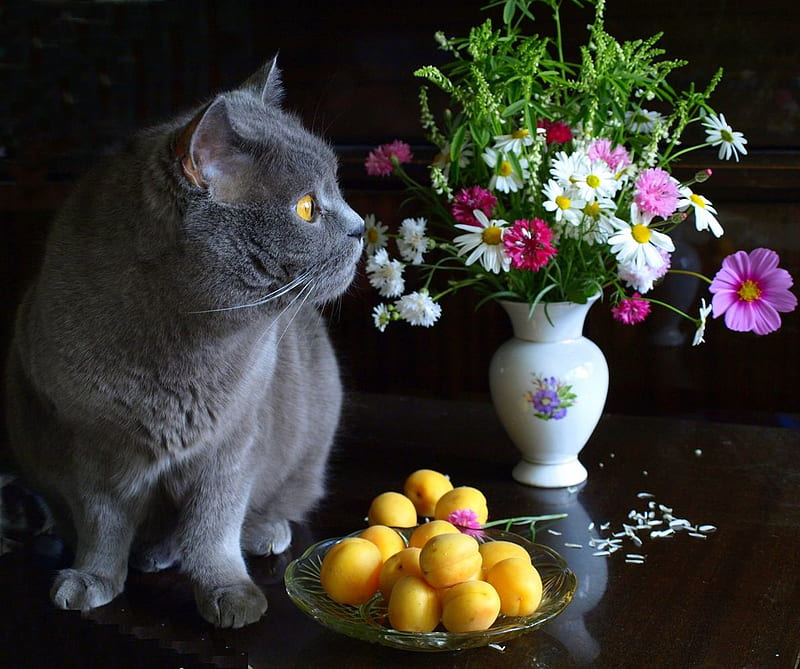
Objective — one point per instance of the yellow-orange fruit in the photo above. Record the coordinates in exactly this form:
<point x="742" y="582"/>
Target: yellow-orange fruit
<point x="350" y="571"/>
<point x="420" y="536"/>
<point x="447" y="559"/>
<point x="518" y="584"/>
<point x="388" y="540"/>
<point x="463" y="497"/>
<point x="494" y="551"/>
<point x="400" y="564"/>
<point x="424" y="487"/>
<point x="471" y="606"/>
<point x="414" y="605"/>
<point x="392" y="509"/>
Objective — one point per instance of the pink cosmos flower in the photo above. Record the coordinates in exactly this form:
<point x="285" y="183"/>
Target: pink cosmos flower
<point x="616" y="158"/>
<point x="631" y="310"/>
<point x="557" y="132"/>
<point x="751" y="290"/>
<point x="379" y="161"/>
<point x="528" y="244"/>
<point x="656" y="192"/>
<point x="468" y="200"/>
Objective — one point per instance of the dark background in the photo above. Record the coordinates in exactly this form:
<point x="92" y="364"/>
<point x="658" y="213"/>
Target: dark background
<point x="78" y="77"/>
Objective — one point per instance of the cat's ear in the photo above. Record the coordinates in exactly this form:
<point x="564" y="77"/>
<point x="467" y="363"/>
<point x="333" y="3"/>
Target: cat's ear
<point x="267" y="82"/>
<point x="211" y="158"/>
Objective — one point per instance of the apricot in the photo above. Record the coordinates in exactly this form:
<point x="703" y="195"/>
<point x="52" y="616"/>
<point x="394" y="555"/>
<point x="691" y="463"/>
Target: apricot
<point x="414" y="605"/>
<point x="462" y="497"/>
<point x="447" y="559"/>
<point x="400" y="564"/>
<point x="388" y="540"/>
<point x="493" y="552"/>
<point x="350" y="570"/>
<point x="518" y="584"/>
<point x="471" y="606"/>
<point x="424" y="487"/>
<point x="392" y="509"/>
<point x="420" y="536"/>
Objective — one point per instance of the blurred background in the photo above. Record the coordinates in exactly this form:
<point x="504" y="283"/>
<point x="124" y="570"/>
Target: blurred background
<point x="79" y="77"/>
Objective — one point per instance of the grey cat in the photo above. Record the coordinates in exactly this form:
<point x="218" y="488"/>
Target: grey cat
<point x="172" y="387"/>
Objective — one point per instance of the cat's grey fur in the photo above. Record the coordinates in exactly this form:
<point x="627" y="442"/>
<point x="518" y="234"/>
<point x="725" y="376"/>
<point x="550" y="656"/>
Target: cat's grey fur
<point x="172" y="388"/>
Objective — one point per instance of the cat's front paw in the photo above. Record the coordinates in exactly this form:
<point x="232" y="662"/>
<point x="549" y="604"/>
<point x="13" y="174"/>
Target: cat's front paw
<point x="268" y="538"/>
<point x="233" y="605"/>
<point x="80" y="590"/>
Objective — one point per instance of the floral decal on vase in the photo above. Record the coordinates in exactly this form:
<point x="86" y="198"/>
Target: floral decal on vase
<point x="550" y="398"/>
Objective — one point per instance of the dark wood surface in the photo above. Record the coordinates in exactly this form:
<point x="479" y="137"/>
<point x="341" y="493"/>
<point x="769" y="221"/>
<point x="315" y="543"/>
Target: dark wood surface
<point x="729" y="600"/>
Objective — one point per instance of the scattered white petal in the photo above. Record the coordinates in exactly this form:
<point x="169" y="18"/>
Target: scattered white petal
<point x="497" y="646"/>
<point x="571" y="545"/>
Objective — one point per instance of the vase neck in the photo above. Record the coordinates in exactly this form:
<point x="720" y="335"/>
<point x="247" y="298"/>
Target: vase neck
<point x="551" y="321"/>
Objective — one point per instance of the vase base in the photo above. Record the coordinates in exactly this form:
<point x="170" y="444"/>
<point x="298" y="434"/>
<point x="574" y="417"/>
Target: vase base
<point x="560" y="475"/>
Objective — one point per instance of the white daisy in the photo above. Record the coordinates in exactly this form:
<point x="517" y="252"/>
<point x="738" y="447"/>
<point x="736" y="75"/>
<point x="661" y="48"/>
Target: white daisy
<point x="564" y="202"/>
<point x="642" y="120"/>
<point x="565" y="167"/>
<point x="412" y="242"/>
<point x="597" y="181"/>
<point x="374" y="234"/>
<point x="704" y="211"/>
<point x="484" y="243"/>
<point x="636" y="243"/>
<point x="514" y="142"/>
<point x="418" y="309"/>
<point x="506" y="178"/>
<point x="705" y="310"/>
<point x="443" y="159"/>
<point x="381" y="316"/>
<point x="385" y="274"/>
<point x="719" y="133"/>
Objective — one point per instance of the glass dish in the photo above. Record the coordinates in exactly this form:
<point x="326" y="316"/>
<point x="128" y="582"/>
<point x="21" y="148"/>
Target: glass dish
<point x="368" y="622"/>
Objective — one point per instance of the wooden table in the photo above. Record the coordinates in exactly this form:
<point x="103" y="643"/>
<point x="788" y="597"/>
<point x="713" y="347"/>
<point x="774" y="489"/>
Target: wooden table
<point x="727" y="598"/>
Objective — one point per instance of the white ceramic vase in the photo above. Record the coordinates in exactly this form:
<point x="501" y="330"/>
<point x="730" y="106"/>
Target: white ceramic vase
<point x="549" y="385"/>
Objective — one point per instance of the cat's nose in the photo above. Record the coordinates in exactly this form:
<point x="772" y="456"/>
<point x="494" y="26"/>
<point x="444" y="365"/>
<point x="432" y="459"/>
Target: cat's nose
<point x="355" y="225"/>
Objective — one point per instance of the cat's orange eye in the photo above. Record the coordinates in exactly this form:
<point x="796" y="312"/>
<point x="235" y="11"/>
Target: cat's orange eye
<point x="306" y="208"/>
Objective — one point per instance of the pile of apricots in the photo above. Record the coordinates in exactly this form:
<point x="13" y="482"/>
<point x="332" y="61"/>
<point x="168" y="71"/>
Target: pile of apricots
<point x="440" y="575"/>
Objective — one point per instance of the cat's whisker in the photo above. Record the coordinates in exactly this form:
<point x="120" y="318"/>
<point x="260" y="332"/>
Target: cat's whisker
<point x="267" y="298"/>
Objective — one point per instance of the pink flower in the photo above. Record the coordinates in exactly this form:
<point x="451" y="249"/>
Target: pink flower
<point x="528" y="244"/>
<point x="464" y="518"/>
<point x="379" y="161"/>
<point x="751" y="290"/>
<point x="631" y="310"/>
<point x="616" y="158"/>
<point x="558" y="132"/>
<point x="468" y="200"/>
<point x="656" y="192"/>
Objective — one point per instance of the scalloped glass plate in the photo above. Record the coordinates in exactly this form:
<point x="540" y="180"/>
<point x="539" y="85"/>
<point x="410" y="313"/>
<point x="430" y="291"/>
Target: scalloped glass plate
<point x="368" y="622"/>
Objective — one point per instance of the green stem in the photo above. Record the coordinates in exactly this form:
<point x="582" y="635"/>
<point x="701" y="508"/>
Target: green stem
<point x="687" y="272"/>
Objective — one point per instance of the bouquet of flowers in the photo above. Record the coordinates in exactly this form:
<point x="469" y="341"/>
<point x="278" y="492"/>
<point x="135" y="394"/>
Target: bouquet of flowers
<point x="553" y="182"/>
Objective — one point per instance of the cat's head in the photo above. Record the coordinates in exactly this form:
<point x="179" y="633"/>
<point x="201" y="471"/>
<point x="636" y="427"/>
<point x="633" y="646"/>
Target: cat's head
<point x="264" y="219"/>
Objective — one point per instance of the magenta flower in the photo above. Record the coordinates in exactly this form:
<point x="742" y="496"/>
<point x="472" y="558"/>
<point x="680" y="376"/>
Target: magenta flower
<point x="751" y="290"/>
<point x="631" y="310"/>
<point x="468" y="200"/>
<point x="557" y="132"/>
<point x="465" y="520"/>
<point x="379" y="161"/>
<point x="527" y="243"/>
<point x="656" y="192"/>
<point x="616" y="158"/>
